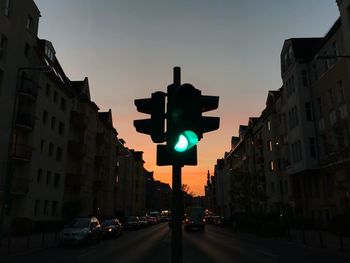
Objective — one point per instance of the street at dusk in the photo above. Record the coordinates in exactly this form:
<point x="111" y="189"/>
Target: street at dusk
<point x="214" y="245"/>
<point x="175" y="131"/>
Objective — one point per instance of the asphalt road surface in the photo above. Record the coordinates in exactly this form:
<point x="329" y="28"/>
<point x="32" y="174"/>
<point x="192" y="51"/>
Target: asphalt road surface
<point x="153" y="245"/>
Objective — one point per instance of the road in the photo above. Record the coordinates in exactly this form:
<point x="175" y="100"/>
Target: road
<point x="214" y="245"/>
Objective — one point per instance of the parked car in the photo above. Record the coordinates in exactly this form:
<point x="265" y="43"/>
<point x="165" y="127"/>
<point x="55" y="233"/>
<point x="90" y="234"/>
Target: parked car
<point x="111" y="228"/>
<point x="132" y="222"/>
<point x="81" y="230"/>
<point x="143" y="221"/>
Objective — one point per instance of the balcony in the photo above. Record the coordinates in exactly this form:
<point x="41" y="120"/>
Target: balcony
<point x="100" y="160"/>
<point x="74" y="180"/>
<point x="77" y="148"/>
<point x="28" y="89"/>
<point x="20" y="185"/>
<point x="78" y="120"/>
<point x="21" y="152"/>
<point x="97" y="185"/>
<point x="101" y="138"/>
<point x="25" y="121"/>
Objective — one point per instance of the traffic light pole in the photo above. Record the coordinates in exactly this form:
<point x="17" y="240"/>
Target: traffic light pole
<point x="176" y="214"/>
<point x="177" y="211"/>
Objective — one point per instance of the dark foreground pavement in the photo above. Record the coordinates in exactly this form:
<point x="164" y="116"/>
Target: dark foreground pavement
<point x="153" y="244"/>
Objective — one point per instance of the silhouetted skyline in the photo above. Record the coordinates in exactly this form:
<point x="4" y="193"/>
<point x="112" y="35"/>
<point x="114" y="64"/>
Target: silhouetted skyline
<point x="231" y="49"/>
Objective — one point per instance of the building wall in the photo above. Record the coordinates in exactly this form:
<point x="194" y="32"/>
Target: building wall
<point x="14" y="35"/>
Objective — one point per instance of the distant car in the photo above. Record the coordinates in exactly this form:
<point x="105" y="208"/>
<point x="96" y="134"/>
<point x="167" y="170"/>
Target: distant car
<point x="81" y="230"/>
<point x="164" y="218"/>
<point x="151" y="220"/>
<point x="111" y="228"/>
<point x="132" y="222"/>
<point x="194" y="218"/>
<point x="217" y="220"/>
<point x="143" y="221"/>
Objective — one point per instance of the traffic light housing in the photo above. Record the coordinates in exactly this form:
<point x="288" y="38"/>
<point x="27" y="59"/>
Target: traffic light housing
<point x="155" y="106"/>
<point x="185" y="124"/>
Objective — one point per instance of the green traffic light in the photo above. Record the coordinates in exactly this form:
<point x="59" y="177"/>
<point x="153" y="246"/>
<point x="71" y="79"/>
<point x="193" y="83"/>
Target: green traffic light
<point x="185" y="141"/>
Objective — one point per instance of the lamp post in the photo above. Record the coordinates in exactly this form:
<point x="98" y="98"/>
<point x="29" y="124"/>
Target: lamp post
<point x="10" y="169"/>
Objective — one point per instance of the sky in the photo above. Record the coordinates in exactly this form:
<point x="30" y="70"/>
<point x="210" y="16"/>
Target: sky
<point x="225" y="48"/>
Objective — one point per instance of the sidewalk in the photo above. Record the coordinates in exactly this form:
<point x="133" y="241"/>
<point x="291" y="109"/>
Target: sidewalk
<point x="322" y="240"/>
<point x="22" y="244"/>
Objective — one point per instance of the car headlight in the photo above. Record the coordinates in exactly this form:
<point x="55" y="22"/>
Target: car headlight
<point x="109" y="229"/>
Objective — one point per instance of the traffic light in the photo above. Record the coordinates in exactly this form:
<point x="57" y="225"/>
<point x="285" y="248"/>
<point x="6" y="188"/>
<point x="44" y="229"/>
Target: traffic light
<point x="156" y="124"/>
<point x="185" y="124"/>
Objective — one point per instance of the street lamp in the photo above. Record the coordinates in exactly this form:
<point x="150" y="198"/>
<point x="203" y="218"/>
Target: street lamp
<point x="10" y="167"/>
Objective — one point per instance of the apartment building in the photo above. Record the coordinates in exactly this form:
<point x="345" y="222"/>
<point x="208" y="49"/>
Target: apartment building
<point x="34" y="94"/>
<point x="297" y="152"/>
<point x="329" y="80"/>
<point x="105" y="164"/>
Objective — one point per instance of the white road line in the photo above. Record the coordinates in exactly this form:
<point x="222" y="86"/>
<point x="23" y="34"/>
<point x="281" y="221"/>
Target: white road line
<point x="266" y="253"/>
<point x="87" y="253"/>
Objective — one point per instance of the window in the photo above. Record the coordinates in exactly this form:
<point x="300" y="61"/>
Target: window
<point x="39" y="175"/>
<point x="45" y="117"/>
<point x="53" y="122"/>
<point x="340" y="92"/>
<point x="304" y="78"/>
<point x="297" y="151"/>
<point x="286" y="186"/>
<point x="61" y="128"/>
<point x="272" y="166"/>
<point x="317" y="187"/>
<point x="312" y="147"/>
<point x="46" y="207"/>
<point x="331" y="98"/>
<point x="29" y="23"/>
<point x="319" y="106"/>
<point x="56" y="181"/>
<point x="272" y="186"/>
<point x="308" y="111"/>
<point x="50" y="149"/>
<point x="49" y="53"/>
<point x="42" y="146"/>
<point x="54" y="208"/>
<point x="63" y="104"/>
<point x="325" y="62"/>
<point x="314" y="71"/>
<point x="59" y="154"/>
<point x="293" y="117"/>
<point x="269" y="145"/>
<point x="3" y="47"/>
<point x="348" y="15"/>
<point x="55" y="96"/>
<point x="48" y="90"/>
<point x="268" y="125"/>
<point x="36" y="207"/>
<point x="1" y="79"/>
<point x="335" y="50"/>
<point x="48" y="177"/>
<point x="281" y="188"/>
<point x="7" y="7"/>
<point x="26" y="49"/>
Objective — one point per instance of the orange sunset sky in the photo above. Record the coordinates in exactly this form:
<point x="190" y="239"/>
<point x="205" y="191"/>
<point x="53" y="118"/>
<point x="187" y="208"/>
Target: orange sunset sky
<point x="227" y="48"/>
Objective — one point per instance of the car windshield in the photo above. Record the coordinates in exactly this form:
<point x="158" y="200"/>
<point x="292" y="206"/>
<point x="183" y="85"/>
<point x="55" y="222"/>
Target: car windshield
<point x="108" y="223"/>
<point x="132" y="219"/>
<point x="79" y="223"/>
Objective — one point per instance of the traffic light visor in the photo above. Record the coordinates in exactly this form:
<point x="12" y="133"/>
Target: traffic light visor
<point x="185" y="141"/>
